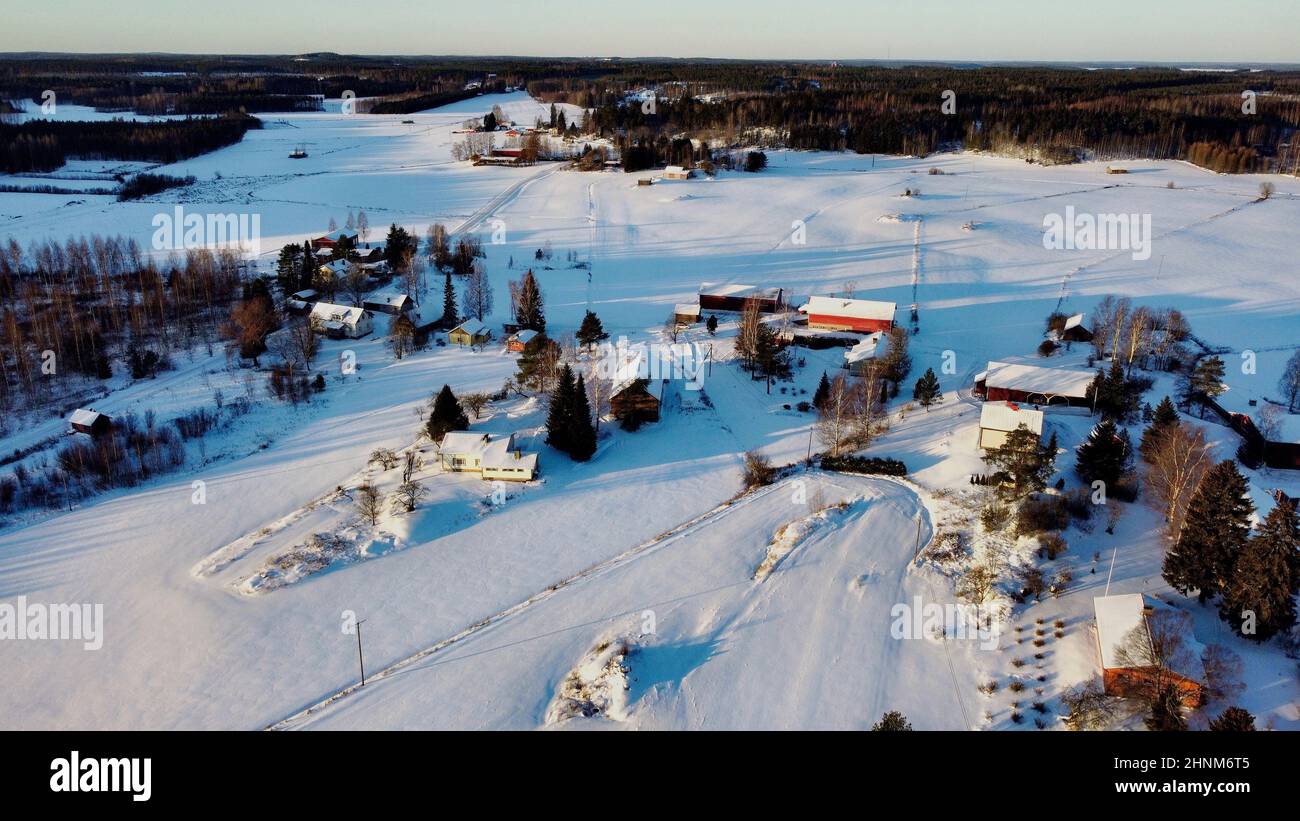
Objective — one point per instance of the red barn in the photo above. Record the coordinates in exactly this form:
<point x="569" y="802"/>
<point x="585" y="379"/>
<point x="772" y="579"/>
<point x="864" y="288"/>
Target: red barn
<point x="840" y="314"/>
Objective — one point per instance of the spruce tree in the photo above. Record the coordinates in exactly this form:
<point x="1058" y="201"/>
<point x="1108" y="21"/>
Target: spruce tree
<point x="447" y="415"/>
<point x="823" y="391"/>
<point x="559" y="418"/>
<point x="448" y="302"/>
<point x="1027" y="463"/>
<point x="529" y="309"/>
<point x="307" y="273"/>
<point x="1233" y="720"/>
<point x="582" y="435"/>
<point x="1105" y="455"/>
<point x="1264" y="579"/>
<point x="927" y="390"/>
<point x="1213" y="534"/>
<point x="1166" y="712"/>
<point x="591" y="331"/>
<point x="1165" y="415"/>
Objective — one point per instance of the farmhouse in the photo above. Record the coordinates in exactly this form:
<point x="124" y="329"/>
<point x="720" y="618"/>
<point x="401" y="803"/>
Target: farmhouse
<point x="686" y="313"/>
<point x="491" y="458"/>
<point x="1074" y="330"/>
<point x="1122" y="620"/>
<point x="470" y="333"/>
<point x="1007" y="381"/>
<point x="840" y="314"/>
<point x="855" y="358"/>
<point x="721" y="296"/>
<point x="333" y="238"/>
<point x="637" y="400"/>
<point x="341" y="321"/>
<point x="997" y="419"/>
<point x="388" y="303"/>
<point x="518" y="341"/>
<point x="90" y="421"/>
<point x="676" y="172"/>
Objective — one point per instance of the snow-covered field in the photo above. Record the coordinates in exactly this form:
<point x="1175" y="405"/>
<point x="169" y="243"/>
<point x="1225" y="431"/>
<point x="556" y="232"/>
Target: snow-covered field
<point x="486" y="615"/>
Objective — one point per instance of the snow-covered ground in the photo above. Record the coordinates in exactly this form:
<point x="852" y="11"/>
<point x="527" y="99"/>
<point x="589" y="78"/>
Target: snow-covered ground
<point x="631" y="570"/>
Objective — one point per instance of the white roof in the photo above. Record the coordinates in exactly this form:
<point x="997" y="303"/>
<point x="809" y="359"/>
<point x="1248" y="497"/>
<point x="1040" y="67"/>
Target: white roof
<point x="500" y="453"/>
<point x="473" y="327"/>
<point x="1007" y="416"/>
<point x="525" y="336"/>
<point x="866" y="349"/>
<point x="329" y="312"/>
<point x="1116" y="618"/>
<point x="687" y="308"/>
<point x="335" y="236"/>
<point x="854" y="308"/>
<point x="387" y="298"/>
<point x="84" y="416"/>
<point x="674" y="169"/>
<point x="1073" y="322"/>
<point x="1037" y="379"/>
<point x="730" y="289"/>
<point x="464" y="441"/>
<point x="306" y="294"/>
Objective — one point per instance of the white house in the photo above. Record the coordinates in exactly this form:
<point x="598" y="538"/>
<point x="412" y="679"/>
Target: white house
<point x="341" y="321"/>
<point x="997" y="419"/>
<point x="490" y="457"/>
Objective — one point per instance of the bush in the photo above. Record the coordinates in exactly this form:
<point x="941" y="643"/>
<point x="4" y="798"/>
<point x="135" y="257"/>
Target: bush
<point x="1052" y="545"/>
<point x="1041" y="515"/>
<point x="995" y="516"/>
<point x="864" y="464"/>
<point x="758" y="470"/>
<point x="142" y="185"/>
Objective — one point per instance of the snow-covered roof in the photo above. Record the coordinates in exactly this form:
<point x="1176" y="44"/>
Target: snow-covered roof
<point x="525" y="336"/>
<point x="335" y="236"/>
<point x="1073" y="322"/>
<point x="329" y="312"/>
<point x="737" y="290"/>
<point x="305" y="295"/>
<point x="686" y="309"/>
<point x="390" y="298"/>
<point x="84" y="416"/>
<point x="502" y="453"/>
<point x="674" y="169"/>
<point x="464" y="441"/>
<point x="1116" y="618"/>
<point x="1037" y="379"/>
<point x="866" y="349"/>
<point x="853" y="308"/>
<point x="1007" y="416"/>
<point x="473" y="327"/>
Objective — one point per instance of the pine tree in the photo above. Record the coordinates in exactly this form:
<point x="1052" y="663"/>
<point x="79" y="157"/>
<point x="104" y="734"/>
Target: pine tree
<point x="1264" y="580"/>
<point x="892" y="721"/>
<point x="582" y="435"/>
<point x="1026" y="461"/>
<point x="927" y="390"/>
<point x="559" y="418"/>
<point x="823" y="391"/>
<point x="591" y="331"/>
<point x="448" y="302"/>
<point x="1106" y="455"/>
<point x="1233" y="720"/>
<point x="1214" y="532"/>
<point x="1166" y="712"/>
<point x="1164" y="416"/>
<point x="307" y="273"/>
<point x="447" y="415"/>
<point x="287" y="268"/>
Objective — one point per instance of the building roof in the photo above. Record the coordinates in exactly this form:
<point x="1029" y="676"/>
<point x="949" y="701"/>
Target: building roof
<point x="395" y="300"/>
<point x="737" y="290"/>
<point x="674" y="169"/>
<point x="329" y="312"/>
<point x="1037" y="379"/>
<point x="502" y="453"/>
<point x="84" y="416"/>
<point x="1007" y="416"/>
<point x="1073" y="322"/>
<point x="464" y="441"/>
<point x="852" y="308"/>
<point x="473" y="327"/>
<point x="525" y="336"/>
<point x="1116" y="618"/>
<point x="306" y="295"/>
<point x="687" y="309"/>
<point x="866" y="349"/>
<point x="335" y="236"/>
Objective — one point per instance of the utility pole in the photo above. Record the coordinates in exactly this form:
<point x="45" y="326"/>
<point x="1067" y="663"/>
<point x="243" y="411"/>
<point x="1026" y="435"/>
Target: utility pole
<point x="360" y="658"/>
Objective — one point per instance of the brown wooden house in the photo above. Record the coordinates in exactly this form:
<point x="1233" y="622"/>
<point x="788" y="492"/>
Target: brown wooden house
<point x="90" y="421"/>
<point x="636" y="401"/>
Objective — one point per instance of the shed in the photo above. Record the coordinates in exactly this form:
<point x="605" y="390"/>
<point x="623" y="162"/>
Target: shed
<point x="997" y="419"/>
<point x="90" y="421"/>
<point x="470" y="333"/>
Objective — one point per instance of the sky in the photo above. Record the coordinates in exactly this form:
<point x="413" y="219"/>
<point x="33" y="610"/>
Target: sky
<point x="1257" y="31"/>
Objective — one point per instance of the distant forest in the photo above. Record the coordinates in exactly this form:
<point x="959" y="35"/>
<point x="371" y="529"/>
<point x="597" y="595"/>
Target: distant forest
<point x="1043" y="114"/>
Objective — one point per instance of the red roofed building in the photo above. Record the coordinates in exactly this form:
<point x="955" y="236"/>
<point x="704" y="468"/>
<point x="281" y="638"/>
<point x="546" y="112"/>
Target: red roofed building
<point x="840" y="314"/>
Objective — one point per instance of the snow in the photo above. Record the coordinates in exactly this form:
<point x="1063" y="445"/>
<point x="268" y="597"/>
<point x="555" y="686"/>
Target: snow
<point x="635" y="570"/>
<point x="1007" y="416"/>
<point x="855" y="308"/>
<point x="1037" y="379"/>
<point x="1117" y="617"/>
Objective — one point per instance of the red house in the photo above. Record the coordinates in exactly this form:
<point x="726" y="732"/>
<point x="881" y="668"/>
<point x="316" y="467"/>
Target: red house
<point x="840" y="314"/>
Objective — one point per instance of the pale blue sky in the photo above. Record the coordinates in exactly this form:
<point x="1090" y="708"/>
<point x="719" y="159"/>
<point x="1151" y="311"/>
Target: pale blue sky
<point x="1052" y="30"/>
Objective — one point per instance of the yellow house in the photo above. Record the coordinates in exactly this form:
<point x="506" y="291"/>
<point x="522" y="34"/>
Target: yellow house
<point x="469" y="334"/>
<point x="491" y="457"/>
